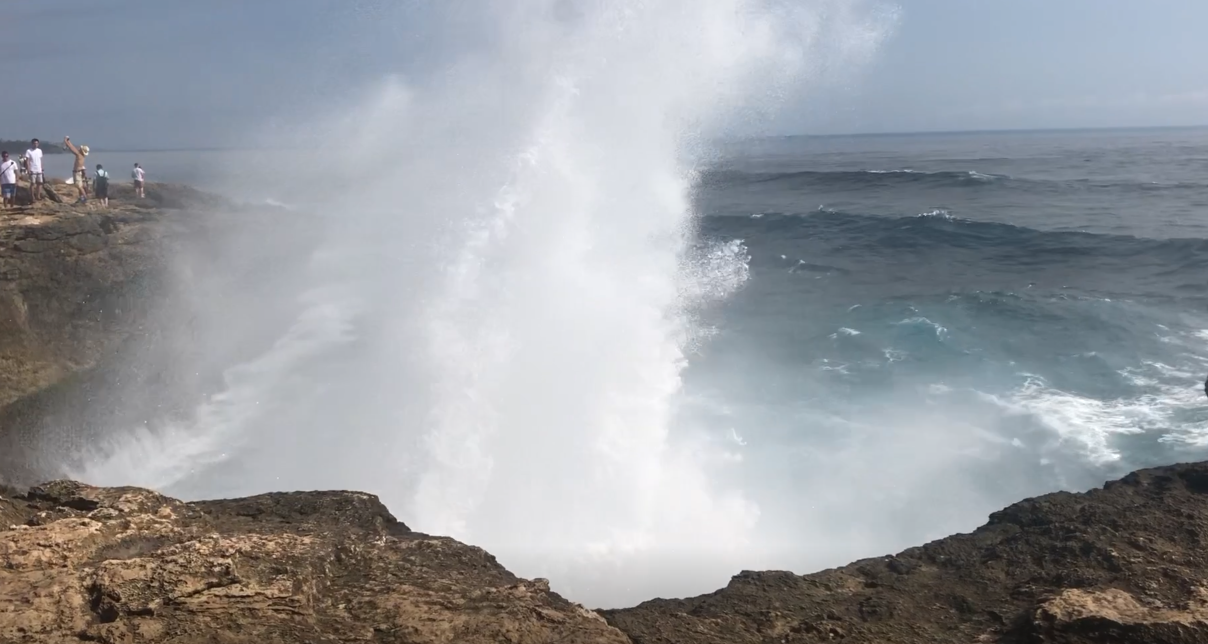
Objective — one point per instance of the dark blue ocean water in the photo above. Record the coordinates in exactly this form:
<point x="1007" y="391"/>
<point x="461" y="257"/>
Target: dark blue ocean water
<point x="938" y="325"/>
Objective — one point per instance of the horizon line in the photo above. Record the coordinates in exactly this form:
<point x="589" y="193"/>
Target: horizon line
<point x="1042" y="130"/>
<point x="1032" y="130"/>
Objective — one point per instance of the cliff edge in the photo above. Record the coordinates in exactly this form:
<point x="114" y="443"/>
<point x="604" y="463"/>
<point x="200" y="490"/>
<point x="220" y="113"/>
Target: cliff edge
<point x="73" y="276"/>
<point x="1124" y="564"/>
<point x="104" y="312"/>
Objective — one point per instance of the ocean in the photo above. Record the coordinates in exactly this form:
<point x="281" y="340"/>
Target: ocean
<point x="936" y="325"/>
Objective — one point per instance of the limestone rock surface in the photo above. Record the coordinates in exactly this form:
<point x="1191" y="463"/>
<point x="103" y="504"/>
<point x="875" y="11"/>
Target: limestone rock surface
<point x="126" y="565"/>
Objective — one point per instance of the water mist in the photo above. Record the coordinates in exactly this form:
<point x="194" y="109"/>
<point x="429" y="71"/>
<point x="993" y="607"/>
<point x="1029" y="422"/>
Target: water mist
<point x="492" y="334"/>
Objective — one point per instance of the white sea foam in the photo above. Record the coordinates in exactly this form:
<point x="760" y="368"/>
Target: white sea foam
<point x="160" y="456"/>
<point x="981" y="177"/>
<point x="844" y="331"/>
<point x="1092" y="424"/>
<point x="939" y="329"/>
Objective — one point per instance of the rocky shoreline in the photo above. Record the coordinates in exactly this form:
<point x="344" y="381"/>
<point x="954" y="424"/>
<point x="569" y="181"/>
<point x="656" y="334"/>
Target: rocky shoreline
<point x="1123" y="564"/>
<point x="81" y="298"/>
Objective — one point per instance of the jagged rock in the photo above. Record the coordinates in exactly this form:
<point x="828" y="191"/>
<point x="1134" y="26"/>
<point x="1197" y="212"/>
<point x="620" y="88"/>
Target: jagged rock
<point x="1125" y="564"/>
<point x="79" y="563"/>
<point x="1116" y="616"/>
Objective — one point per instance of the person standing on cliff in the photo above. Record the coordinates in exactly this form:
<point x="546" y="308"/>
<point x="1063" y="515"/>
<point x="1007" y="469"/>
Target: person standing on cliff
<point x="79" y="175"/>
<point x="33" y="165"/>
<point x="102" y="186"/>
<point x="8" y="180"/>
<point x="140" y="181"/>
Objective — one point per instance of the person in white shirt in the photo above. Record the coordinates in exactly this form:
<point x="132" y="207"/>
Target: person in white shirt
<point x="8" y="180"/>
<point x="33" y="165"/>
<point x="140" y="181"/>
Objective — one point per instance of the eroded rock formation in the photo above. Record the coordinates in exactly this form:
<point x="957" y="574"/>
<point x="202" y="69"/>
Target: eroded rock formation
<point x="127" y="565"/>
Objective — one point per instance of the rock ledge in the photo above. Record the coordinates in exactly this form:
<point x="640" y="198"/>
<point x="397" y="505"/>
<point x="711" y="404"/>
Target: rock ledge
<point x="126" y="565"/>
<point x="1125" y="564"/>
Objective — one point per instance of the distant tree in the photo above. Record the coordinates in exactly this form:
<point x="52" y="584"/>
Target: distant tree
<point x="17" y="148"/>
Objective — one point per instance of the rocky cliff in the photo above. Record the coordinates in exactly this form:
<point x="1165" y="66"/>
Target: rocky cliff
<point x="75" y="286"/>
<point x="97" y="304"/>
<point x="1125" y="564"/>
<point x="64" y="279"/>
<point x="72" y="276"/>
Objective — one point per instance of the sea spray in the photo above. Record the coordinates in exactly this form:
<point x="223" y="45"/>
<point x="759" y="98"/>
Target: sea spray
<point x="523" y="264"/>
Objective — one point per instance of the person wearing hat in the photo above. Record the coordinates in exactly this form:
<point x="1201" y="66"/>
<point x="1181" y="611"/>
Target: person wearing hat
<point x="79" y="175"/>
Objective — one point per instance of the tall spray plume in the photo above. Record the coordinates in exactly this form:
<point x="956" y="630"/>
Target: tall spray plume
<point x="492" y="332"/>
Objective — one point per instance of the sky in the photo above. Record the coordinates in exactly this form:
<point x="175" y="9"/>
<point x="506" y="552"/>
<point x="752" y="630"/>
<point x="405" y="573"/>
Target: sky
<point x="149" y="74"/>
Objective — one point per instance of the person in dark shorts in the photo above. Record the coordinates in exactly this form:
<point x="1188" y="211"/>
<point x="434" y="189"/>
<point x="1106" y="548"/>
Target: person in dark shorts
<point x="8" y="180"/>
<point x="101" y="186"/>
<point x="140" y="181"/>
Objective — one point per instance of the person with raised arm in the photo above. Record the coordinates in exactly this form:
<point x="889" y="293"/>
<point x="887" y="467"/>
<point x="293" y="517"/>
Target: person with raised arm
<point x="79" y="175"/>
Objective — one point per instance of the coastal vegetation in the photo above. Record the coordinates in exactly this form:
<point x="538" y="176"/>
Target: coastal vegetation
<point x="19" y="146"/>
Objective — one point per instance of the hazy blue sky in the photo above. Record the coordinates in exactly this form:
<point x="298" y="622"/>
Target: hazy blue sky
<point x="156" y="73"/>
<point x="991" y="64"/>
